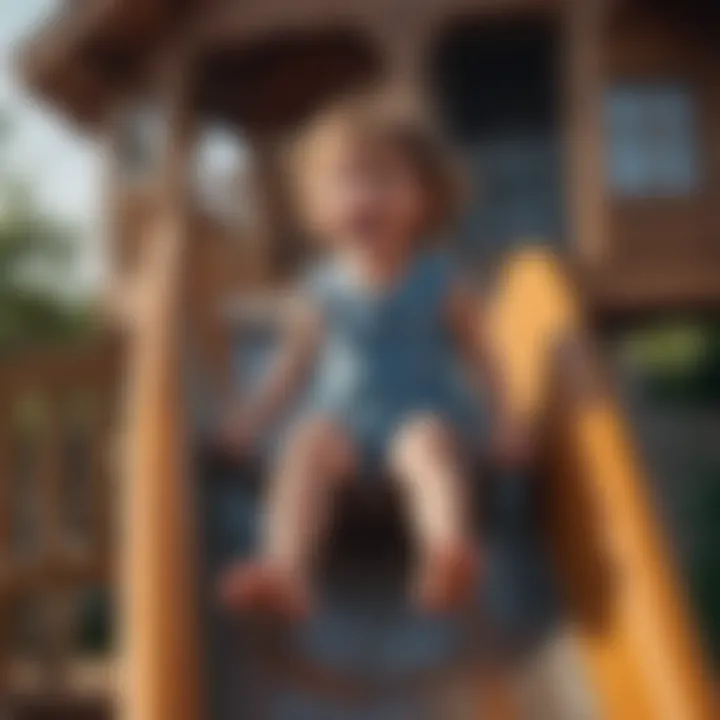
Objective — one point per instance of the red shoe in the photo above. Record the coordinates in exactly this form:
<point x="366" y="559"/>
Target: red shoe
<point x="260" y="587"/>
<point x="447" y="579"/>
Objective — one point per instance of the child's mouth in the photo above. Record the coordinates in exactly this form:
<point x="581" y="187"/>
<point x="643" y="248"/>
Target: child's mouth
<point x="368" y="230"/>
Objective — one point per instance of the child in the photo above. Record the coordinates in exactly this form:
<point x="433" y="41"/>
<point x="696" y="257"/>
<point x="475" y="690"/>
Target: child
<point x="380" y="334"/>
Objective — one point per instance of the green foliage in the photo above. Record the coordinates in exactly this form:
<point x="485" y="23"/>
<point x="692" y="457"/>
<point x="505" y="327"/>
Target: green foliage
<point x="38" y="254"/>
<point x="677" y="366"/>
<point x="679" y="362"/>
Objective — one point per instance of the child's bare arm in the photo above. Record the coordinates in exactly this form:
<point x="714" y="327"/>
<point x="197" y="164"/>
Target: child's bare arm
<point x="469" y="326"/>
<point x="469" y="329"/>
<point x="260" y="406"/>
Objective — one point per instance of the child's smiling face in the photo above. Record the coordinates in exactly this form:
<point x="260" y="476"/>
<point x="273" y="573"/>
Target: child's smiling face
<point x="366" y="195"/>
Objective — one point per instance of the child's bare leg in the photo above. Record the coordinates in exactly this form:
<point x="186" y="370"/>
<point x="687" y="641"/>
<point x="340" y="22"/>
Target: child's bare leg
<point x="316" y="460"/>
<point x="426" y="461"/>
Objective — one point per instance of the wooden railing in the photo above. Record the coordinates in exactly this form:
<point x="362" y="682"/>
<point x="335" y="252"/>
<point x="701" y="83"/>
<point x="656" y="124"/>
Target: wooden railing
<point x="56" y="482"/>
<point x="628" y="609"/>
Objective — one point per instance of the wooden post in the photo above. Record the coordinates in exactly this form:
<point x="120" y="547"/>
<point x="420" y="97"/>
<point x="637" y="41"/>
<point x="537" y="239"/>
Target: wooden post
<point x="53" y="541"/>
<point x="51" y="468"/>
<point x="272" y="228"/>
<point x="5" y="479"/>
<point x="160" y="640"/>
<point x="103" y="522"/>
<point x="406" y="86"/>
<point x="584" y="89"/>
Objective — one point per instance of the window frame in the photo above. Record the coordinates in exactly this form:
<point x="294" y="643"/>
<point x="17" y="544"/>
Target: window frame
<point x="668" y="183"/>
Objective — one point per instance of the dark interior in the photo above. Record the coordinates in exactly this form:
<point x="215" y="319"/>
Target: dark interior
<point x="497" y="88"/>
<point x="491" y="77"/>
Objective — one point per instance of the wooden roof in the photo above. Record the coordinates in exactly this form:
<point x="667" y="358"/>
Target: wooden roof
<point x="89" y="51"/>
<point x="92" y="51"/>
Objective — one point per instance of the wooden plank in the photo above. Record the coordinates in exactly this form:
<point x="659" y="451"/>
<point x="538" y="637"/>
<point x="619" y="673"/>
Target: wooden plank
<point x="159" y="624"/>
<point x="19" y="578"/>
<point x="55" y="369"/>
<point x="84" y="680"/>
<point x="5" y="479"/>
<point x="585" y="68"/>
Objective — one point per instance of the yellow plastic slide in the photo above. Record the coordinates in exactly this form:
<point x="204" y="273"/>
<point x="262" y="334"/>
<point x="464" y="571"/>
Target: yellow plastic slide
<point x="628" y="615"/>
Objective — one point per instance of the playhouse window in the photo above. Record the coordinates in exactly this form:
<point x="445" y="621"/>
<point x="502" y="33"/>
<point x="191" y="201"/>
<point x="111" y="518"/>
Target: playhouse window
<point x="652" y="140"/>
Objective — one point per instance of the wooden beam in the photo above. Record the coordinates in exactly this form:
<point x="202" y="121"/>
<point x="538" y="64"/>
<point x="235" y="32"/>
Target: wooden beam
<point x="50" y="474"/>
<point x="585" y="69"/>
<point x="160" y="643"/>
<point x="51" y="468"/>
<point x="87" y="682"/>
<point x="103" y="476"/>
<point x="56" y="369"/>
<point x="6" y="437"/>
<point x="59" y="570"/>
<point x="41" y="55"/>
<point x="272" y="231"/>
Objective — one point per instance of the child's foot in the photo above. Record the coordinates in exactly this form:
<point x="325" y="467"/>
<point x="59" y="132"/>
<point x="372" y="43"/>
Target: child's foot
<point x="447" y="578"/>
<point x="264" y="588"/>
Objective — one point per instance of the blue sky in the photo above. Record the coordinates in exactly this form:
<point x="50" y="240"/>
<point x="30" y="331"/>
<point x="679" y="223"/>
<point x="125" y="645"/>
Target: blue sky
<point x="63" y="166"/>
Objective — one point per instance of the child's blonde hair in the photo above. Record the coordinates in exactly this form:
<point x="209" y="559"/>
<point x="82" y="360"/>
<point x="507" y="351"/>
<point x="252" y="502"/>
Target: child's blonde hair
<point x="370" y="121"/>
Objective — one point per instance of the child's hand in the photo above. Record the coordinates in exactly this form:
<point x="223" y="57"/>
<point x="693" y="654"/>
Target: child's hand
<point x="238" y="434"/>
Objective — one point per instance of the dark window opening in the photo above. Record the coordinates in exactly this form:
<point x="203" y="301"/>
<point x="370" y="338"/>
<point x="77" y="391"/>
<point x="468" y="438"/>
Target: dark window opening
<point x="497" y="83"/>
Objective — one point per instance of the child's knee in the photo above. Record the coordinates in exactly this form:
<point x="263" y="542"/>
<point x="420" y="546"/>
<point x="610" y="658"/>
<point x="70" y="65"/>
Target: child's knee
<point x="323" y="447"/>
<point x="420" y="439"/>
